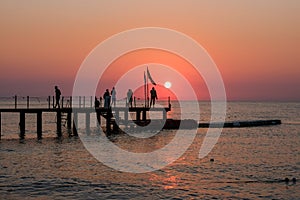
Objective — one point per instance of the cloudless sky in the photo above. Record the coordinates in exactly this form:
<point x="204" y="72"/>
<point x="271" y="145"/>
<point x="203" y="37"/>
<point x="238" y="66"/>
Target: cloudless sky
<point x="254" y="43"/>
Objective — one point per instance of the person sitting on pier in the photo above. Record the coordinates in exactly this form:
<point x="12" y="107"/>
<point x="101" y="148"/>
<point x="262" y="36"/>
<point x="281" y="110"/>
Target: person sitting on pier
<point x="57" y="96"/>
<point x="113" y="96"/>
<point x="153" y="95"/>
<point x="106" y="97"/>
<point x="129" y="97"/>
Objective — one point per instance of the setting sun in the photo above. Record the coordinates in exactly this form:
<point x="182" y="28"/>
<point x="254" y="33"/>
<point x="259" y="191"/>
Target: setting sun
<point x="168" y="84"/>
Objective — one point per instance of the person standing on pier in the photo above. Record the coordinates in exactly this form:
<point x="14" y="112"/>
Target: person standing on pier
<point x="153" y="95"/>
<point x="97" y="103"/>
<point x="57" y="96"/>
<point x="100" y="101"/>
<point x="106" y="97"/>
<point x="129" y="97"/>
<point x="113" y="96"/>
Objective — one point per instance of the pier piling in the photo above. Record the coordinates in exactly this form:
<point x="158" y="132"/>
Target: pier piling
<point x="16" y="101"/>
<point x="22" y="125"/>
<point x="98" y="116"/>
<point x="75" y="123"/>
<point x="27" y="102"/>
<point x="39" y="125"/>
<point x="87" y="123"/>
<point x="58" y="123"/>
<point x="138" y="116"/>
<point x="69" y="120"/>
<point x="0" y="126"/>
<point x="49" y="102"/>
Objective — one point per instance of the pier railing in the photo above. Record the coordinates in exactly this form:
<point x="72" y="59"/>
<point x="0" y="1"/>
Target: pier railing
<point x="39" y="105"/>
<point x="67" y="101"/>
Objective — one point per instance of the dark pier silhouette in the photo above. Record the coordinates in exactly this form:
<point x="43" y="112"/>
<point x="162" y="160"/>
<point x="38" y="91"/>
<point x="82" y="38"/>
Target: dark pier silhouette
<point x="68" y="115"/>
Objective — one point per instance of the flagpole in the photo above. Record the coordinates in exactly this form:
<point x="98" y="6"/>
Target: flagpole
<point x="145" y="96"/>
<point x="147" y="88"/>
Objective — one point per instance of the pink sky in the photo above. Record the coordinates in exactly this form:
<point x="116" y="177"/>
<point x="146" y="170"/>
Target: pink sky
<point x="255" y="44"/>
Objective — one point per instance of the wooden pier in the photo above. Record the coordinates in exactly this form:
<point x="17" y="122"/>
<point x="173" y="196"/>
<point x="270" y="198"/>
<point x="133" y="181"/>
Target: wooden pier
<point x="71" y="116"/>
<point x="114" y="116"/>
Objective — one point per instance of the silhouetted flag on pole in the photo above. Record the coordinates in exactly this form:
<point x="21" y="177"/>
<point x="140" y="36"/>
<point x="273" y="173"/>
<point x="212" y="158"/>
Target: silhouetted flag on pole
<point x="149" y="76"/>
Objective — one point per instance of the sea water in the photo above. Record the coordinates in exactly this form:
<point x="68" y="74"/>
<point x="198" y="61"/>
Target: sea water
<point x="246" y="163"/>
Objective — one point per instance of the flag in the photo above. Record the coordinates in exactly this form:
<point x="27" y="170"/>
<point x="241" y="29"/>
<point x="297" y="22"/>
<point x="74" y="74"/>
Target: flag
<point x="149" y="76"/>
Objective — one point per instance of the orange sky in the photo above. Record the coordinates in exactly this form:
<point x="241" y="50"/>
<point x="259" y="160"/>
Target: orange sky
<point x="255" y="44"/>
<point x="156" y="61"/>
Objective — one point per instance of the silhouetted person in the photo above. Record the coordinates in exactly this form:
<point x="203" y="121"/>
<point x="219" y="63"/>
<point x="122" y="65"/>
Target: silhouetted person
<point x="113" y="96"/>
<point x="106" y="97"/>
<point x="153" y="95"/>
<point x="97" y="103"/>
<point x="57" y="96"/>
<point x="100" y="101"/>
<point x="129" y="97"/>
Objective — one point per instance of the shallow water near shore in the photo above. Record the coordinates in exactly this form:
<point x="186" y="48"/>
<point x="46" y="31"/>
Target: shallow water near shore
<point x="249" y="163"/>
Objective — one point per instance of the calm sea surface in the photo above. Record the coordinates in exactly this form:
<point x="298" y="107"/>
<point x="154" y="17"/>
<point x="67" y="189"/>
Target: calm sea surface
<point x="249" y="163"/>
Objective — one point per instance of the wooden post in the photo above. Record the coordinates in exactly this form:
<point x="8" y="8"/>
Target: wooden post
<point x="144" y="115"/>
<point x="115" y="126"/>
<point x="16" y="101"/>
<point x="84" y="101"/>
<point x="62" y="102"/>
<point x="27" y="102"/>
<point x="134" y="100"/>
<point x="117" y="115"/>
<point x="49" y="99"/>
<point x="87" y="122"/>
<point x="70" y="101"/>
<point x="126" y="116"/>
<point x="69" y="123"/>
<point x="91" y="101"/>
<point x="164" y="113"/>
<point x="138" y="115"/>
<point x="22" y="125"/>
<point x="58" y="123"/>
<point x="98" y="117"/>
<point x="69" y="120"/>
<point x="0" y="126"/>
<point x="79" y="101"/>
<point x="39" y="125"/>
<point x="75" y="123"/>
<point x="108" y="119"/>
